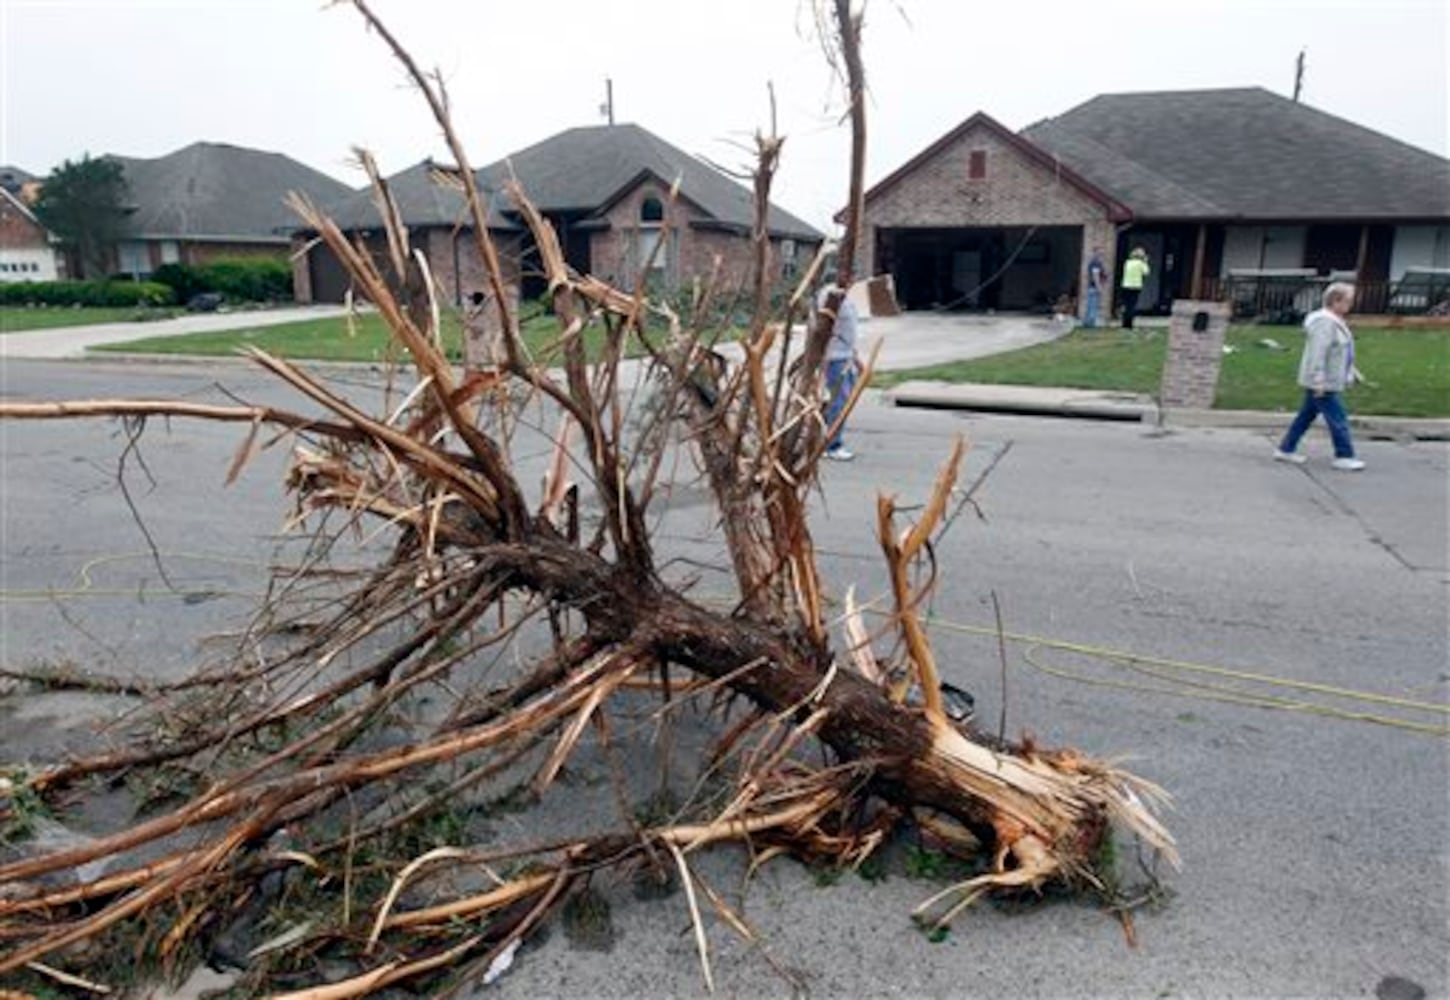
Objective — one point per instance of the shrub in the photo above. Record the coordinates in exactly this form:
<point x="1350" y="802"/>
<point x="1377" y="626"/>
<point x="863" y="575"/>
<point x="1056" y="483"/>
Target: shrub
<point x="184" y="281"/>
<point x="252" y="279"/>
<point x="244" y="279"/>
<point x="86" y="293"/>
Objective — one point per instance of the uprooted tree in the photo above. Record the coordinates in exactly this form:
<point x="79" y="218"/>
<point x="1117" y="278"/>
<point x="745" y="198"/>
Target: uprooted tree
<point x="279" y="744"/>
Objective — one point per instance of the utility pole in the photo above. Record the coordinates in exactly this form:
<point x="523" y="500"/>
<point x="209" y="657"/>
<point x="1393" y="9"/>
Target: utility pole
<point x="607" y="108"/>
<point x="1298" y="75"/>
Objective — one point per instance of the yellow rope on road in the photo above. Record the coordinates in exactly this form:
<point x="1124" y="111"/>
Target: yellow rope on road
<point x="1213" y="692"/>
<point x="85" y="585"/>
<point x="1170" y="671"/>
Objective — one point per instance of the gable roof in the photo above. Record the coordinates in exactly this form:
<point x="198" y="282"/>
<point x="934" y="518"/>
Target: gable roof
<point x="13" y="198"/>
<point x="211" y="190"/>
<point x="1242" y="153"/>
<point x="585" y="169"/>
<point x="1116" y="210"/>
<point x="578" y="171"/>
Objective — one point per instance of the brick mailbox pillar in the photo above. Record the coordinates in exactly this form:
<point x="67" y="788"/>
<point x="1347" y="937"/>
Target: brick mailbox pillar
<point x="483" y="347"/>
<point x="1195" y="353"/>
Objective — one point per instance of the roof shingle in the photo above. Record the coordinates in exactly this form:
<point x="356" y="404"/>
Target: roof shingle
<point x="1243" y="153"/>
<point x="578" y="170"/>
<point x="212" y="190"/>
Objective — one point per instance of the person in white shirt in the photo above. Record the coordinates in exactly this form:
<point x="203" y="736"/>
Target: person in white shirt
<point x="840" y="368"/>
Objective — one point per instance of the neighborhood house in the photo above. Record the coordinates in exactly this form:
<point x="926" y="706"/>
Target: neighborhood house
<point x="27" y="252"/>
<point x="211" y="200"/>
<point x="605" y="189"/>
<point x="1237" y="194"/>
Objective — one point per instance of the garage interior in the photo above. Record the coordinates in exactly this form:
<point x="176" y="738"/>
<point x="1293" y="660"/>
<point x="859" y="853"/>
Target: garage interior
<point x="1002" y="268"/>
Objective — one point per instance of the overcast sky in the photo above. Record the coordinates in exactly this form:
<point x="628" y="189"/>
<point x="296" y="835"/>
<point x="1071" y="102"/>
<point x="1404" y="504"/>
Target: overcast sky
<point x="145" y="77"/>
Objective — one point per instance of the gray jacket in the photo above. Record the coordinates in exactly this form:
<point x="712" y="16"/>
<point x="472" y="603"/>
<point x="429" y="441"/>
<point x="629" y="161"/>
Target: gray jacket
<point x="1327" y="364"/>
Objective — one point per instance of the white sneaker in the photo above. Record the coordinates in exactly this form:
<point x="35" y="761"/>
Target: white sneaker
<point x="840" y="454"/>
<point x="1288" y="456"/>
<point x="1347" y="464"/>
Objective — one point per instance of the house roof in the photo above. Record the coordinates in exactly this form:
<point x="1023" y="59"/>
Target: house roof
<point x="13" y="178"/>
<point x="553" y="175"/>
<point x="13" y="198"/>
<point x="1242" y="153"/>
<point x="582" y="171"/>
<point x="211" y="190"/>
<point x="1028" y="149"/>
<point x="421" y="199"/>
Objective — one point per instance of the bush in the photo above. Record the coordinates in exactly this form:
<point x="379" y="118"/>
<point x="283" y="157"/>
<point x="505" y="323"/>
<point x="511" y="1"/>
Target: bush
<point x="86" y="293"/>
<point x="184" y="281"/>
<point x="245" y="279"/>
<point x="256" y="279"/>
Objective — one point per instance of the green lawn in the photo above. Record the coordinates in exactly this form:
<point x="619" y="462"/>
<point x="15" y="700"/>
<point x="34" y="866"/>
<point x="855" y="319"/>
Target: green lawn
<point x="366" y="338"/>
<point x="18" y="319"/>
<point x="1409" y="369"/>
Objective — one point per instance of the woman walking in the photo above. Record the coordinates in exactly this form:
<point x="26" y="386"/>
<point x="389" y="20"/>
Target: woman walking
<point x="1326" y="370"/>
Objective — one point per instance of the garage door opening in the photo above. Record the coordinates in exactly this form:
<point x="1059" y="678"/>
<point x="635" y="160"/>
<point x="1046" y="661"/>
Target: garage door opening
<point x="1009" y="268"/>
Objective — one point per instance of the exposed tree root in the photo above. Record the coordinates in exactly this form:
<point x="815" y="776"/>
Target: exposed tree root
<point x="510" y="633"/>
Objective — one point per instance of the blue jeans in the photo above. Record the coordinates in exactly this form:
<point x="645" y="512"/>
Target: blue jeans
<point x="1336" y="419"/>
<point x="1090" y="314"/>
<point x="840" y="380"/>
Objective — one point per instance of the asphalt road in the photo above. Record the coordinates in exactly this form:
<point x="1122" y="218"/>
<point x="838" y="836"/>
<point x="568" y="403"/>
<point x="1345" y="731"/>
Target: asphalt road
<point x="1314" y="845"/>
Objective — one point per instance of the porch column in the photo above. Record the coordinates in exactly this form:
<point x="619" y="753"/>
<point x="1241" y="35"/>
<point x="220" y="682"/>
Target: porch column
<point x="1195" y="290"/>
<point x="1359" y="262"/>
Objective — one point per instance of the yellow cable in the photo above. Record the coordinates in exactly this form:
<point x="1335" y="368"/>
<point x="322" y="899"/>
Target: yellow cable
<point x="86" y="585"/>
<point x="1102" y="652"/>
<point x="1211" y="692"/>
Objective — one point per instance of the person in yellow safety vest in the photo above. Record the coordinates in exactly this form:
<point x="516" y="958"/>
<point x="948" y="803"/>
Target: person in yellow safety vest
<point x="1135" y="270"/>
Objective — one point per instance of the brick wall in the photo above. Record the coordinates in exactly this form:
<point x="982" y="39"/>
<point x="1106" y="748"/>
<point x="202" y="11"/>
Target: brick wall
<point x="458" y="266"/>
<point x="1191" y="369"/>
<point x="1015" y="191"/>
<point x="691" y="252"/>
<point x="199" y="254"/>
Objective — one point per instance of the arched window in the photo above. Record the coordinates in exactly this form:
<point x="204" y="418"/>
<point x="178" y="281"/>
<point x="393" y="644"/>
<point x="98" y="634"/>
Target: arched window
<point x="651" y="210"/>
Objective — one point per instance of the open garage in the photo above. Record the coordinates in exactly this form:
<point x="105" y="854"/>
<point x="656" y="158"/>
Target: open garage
<point x="1018" y="268"/>
<point x="983" y="220"/>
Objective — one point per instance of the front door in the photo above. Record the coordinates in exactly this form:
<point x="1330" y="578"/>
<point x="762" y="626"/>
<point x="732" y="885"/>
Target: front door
<point x="1153" y="243"/>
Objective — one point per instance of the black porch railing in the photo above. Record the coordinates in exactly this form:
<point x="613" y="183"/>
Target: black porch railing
<point x="1291" y="297"/>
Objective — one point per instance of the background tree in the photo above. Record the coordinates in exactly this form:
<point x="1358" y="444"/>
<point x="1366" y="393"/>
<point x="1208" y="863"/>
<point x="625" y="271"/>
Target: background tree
<point x="84" y="204"/>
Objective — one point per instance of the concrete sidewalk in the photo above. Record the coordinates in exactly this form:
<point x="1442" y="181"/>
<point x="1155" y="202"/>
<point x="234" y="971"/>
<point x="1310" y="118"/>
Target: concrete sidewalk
<point x="1105" y="405"/>
<point x="74" y="341"/>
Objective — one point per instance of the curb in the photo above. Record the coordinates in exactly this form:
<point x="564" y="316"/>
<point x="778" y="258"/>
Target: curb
<point x="1088" y="404"/>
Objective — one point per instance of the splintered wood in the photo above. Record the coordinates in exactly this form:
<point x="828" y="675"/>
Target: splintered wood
<point x="292" y="787"/>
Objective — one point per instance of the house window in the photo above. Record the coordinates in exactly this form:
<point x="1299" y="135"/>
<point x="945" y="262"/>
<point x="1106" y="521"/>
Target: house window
<point x="651" y="231"/>
<point x="649" y="239"/>
<point x="787" y="259"/>
<point x="132" y="258"/>
<point x="977" y="165"/>
<point x="170" y="252"/>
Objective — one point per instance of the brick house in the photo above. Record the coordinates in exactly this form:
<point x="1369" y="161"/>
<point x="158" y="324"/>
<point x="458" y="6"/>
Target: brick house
<point x="27" y="249"/>
<point x="211" y="200"/>
<point x="1219" y="186"/>
<point x="606" y="190"/>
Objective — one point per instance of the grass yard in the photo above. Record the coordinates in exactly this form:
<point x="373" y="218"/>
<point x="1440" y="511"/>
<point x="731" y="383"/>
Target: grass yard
<point x="1409" y="369"/>
<point x="365" y="339"/>
<point x="18" y="319"/>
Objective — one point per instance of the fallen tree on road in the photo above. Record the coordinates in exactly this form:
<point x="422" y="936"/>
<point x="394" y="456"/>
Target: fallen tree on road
<point x="296" y="779"/>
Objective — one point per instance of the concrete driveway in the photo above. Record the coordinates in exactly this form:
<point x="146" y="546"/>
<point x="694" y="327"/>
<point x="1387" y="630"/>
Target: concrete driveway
<point x="74" y="341"/>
